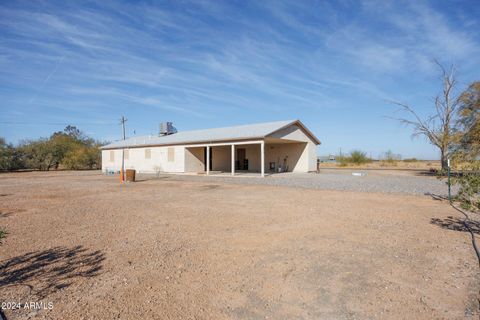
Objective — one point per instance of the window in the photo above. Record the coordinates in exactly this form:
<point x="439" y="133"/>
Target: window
<point x="112" y="156"/>
<point x="148" y="154"/>
<point x="126" y="154"/>
<point x="171" y="154"/>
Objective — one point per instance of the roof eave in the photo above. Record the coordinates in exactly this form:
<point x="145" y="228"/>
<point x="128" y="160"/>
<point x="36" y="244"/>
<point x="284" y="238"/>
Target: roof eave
<point x="181" y="143"/>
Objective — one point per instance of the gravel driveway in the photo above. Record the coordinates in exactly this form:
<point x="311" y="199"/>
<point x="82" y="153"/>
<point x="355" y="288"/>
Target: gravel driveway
<point x="384" y="181"/>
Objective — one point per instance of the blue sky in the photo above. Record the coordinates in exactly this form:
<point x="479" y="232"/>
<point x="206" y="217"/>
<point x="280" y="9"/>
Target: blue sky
<point x="217" y="63"/>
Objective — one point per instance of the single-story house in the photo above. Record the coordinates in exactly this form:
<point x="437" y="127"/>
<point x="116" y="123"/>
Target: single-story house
<point x="263" y="147"/>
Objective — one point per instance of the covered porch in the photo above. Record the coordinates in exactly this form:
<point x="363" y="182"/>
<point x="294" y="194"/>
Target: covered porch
<point x="245" y="158"/>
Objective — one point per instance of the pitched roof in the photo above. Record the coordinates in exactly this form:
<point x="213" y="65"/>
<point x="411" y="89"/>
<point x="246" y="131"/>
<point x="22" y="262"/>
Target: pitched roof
<point x="250" y="131"/>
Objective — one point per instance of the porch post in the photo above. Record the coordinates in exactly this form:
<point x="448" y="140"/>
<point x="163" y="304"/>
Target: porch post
<point x="233" y="159"/>
<point x="262" y="156"/>
<point x="208" y="160"/>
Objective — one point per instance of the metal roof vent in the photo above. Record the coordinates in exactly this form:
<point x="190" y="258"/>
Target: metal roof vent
<point x="167" y="128"/>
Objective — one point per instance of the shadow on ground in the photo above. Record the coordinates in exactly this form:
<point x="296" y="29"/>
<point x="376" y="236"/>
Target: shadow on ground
<point x="437" y="196"/>
<point x="426" y="173"/>
<point x="5" y="214"/>
<point x="45" y="272"/>
<point x="457" y="224"/>
<point x="451" y="223"/>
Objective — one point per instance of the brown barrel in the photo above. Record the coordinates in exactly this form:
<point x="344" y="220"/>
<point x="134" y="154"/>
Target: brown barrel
<point x="130" y="175"/>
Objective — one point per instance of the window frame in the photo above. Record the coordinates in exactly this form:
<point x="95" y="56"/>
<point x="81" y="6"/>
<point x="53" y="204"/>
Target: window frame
<point x="148" y="153"/>
<point x="171" y="154"/>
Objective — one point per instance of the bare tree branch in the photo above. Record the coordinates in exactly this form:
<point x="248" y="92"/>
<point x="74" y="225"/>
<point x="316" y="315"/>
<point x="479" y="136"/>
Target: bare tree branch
<point x="441" y="133"/>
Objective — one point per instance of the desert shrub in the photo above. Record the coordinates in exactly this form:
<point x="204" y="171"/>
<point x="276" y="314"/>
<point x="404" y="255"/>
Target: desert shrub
<point x="359" y="157"/>
<point x="391" y="157"/>
<point x="355" y="157"/>
<point x="469" y="182"/>
<point x="342" y="161"/>
<point x="410" y="160"/>
<point x="385" y="163"/>
<point x="158" y="170"/>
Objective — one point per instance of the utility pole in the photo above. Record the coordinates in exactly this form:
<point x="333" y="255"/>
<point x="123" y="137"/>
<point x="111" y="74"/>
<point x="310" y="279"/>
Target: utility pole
<point x="122" y="173"/>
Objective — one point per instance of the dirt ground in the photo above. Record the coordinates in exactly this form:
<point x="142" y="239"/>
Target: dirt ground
<point x="159" y="249"/>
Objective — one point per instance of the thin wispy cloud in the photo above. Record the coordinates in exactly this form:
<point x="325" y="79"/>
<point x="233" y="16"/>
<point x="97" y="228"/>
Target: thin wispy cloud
<point x="210" y="63"/>
<point x="47" y="78"/>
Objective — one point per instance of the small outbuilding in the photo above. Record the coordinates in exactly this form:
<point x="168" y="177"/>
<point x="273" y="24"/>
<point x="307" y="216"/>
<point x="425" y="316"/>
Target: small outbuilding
<point x="282" y="146"/>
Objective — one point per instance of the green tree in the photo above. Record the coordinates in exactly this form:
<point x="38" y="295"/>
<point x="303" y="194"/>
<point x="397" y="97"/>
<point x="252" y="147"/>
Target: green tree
<point x="77" y="150"/>
<point x="39" y="154"/>
<point x="75" y="133"/>
<point x="69" y="149"/>
<point x="10" y="157"/>
<point x="82" y="157"/>
<point x="469" y="120"/>
<point x="467" y="150"/>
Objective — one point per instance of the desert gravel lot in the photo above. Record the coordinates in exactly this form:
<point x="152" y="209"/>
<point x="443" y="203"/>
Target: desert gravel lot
<point x="187" y="248"/>
<point x="414" y="182"/>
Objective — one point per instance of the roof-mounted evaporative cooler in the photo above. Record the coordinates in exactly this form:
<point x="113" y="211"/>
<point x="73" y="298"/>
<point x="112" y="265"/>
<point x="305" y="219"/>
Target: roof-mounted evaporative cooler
<point x="167" y="128"/>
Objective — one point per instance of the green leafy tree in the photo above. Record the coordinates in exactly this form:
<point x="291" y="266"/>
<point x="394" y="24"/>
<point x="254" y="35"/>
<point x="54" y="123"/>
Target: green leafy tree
<point x="82" y="157"/>
<point x="469" y="121"/>
<point x="69" y="149"/>
<point x="10" y="157"/>
<point x="467" y="150"/>
<point x="78" y="151"/>
<point x="39" y="154"/>
<point x="469" y="182"/>
<point x="75" y="133"/>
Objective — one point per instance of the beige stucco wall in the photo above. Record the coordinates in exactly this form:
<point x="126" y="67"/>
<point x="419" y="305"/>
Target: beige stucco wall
<point x="294" y="153"/>
<point x="312" y="156"/>
<point x="302" y="157"/>
<point x="194" y="158"/>
<point x="136" y="160"/>
<point x="221" y="158"/>
<point x="292" y="132"/>
<point x="252" y="153"/>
